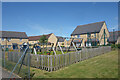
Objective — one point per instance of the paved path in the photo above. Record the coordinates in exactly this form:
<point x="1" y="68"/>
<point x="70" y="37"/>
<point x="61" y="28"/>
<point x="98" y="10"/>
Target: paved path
<point x="5" y="74"/>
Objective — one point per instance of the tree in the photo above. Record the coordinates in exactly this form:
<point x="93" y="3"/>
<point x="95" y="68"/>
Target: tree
<point x="43" y="40"/>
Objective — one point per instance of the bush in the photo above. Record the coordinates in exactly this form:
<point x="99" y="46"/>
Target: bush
<point x="118" y="46"/>
<point x="114" y="46"/>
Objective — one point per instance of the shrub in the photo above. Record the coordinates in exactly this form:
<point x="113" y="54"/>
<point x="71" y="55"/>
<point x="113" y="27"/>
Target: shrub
<point x="118" y="46"/>
<point x="114" y="46"/>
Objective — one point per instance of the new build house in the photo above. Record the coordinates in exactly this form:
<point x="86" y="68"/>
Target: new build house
<point x="114" y="37"/>
<point x="92" y="34"/>
<point x="62" y="41"/>
<point x="12" y="39"/>
<point x="51" y="39"/>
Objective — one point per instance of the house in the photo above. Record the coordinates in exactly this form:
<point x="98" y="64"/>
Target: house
<point x="114" y="37"/>
<point x="51" y="39"/>
<point x="62" y="41"/>
<point x="12" y="39"/>
<point x="91" y="34"/>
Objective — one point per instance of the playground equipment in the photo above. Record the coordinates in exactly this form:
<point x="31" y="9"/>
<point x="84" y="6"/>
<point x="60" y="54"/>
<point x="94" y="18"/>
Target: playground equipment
<point x="71" y="43"/>
<point x="57" y="45"/>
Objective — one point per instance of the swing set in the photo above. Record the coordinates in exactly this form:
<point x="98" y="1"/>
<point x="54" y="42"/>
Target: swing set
<point x="57" y="45"/>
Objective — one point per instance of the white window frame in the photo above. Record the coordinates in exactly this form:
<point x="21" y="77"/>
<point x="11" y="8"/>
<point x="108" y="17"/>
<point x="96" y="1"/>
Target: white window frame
<point x="9" y="46"/>
<point x="9" y="39"/>
<point x="78" y="36"/>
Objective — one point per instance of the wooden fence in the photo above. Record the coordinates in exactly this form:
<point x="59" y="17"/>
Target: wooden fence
<point x="55" y="62"/>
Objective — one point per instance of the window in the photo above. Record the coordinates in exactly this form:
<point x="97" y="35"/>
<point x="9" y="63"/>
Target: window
<point x="9" y="46"/>
<point x="9" y="39"/>
<point x="20" y="40"/>
<point x="2" y="39"/>
<point x="88" y="35"/>
<point x="95" y="34"/>
<point x="74" y="36"/>
<point x="78" y="36"/>
<point x="3" y="46"/>
<point x="48" y="43"/>
<point x="20" y="46"/>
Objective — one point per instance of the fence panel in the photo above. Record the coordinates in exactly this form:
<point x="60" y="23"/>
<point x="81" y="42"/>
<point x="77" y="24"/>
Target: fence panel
<point x="55" y="62"/>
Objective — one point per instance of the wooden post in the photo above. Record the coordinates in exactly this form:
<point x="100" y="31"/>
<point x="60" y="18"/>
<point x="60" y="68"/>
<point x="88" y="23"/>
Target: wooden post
<point x="48" y="62"/>
<point x="51" y="62"/>
<point x="69" y="59"/>
<point x="54" y="62"/>
<point x="59" y="60"/>
<point x="42" y="61"/>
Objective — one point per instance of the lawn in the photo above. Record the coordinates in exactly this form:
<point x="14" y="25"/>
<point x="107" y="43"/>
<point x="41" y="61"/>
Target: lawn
<point x="103" y="66"/>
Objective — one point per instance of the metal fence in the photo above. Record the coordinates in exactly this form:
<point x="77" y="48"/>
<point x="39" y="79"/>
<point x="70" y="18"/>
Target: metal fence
<point x="55" y="62"/>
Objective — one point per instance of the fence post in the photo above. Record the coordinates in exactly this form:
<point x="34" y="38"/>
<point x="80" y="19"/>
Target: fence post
<point x="4" y="57"/>
<point x="42" y="61"/>
<point x="48" y="63"/>
<point x="76" y="57"/>
<point x="51" y="62"/>
<point x="69" y="59"/>
<point x="59" y="60"/>
<point x="80" y="55"/>
<point x="54" y="62"/>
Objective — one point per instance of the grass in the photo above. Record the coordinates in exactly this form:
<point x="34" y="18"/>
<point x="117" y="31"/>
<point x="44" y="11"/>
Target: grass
<point x="52" y="53"/>
<point x="103" y="66"/>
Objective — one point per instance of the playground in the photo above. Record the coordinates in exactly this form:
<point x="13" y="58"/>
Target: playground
<point x="54" y="57"/>
<point x="55" y="49"/>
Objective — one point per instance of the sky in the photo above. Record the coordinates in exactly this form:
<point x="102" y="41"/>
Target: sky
<point x="60" y="18"/>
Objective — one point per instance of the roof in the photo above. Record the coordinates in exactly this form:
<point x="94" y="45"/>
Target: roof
<point x="111" y="38"/>
<point x="88" y="28"/>
<point x="35" y="38"/>
<point x="60" y="39"/>
<point x="13" y="34"/>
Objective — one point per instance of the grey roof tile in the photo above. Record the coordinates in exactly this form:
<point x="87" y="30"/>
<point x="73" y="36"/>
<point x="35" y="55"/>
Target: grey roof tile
<point x="88" y="28"/>
<point x="13" y="34"/>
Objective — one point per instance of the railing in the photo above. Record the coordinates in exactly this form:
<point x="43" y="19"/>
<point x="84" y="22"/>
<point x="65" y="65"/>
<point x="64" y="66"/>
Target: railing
<point x="55" y="62"/>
